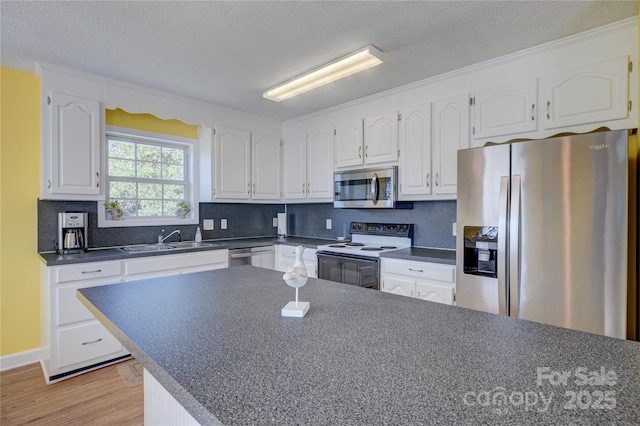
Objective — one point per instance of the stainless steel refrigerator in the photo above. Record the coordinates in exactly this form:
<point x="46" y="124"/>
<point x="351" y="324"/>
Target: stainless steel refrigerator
<point x="542" y="232"/>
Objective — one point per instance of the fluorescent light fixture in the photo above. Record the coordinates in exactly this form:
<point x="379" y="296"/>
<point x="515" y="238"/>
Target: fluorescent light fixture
<point x="342" y="67"/>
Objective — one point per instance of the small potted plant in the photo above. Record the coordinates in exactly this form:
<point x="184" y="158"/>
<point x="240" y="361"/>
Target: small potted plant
<point x="114" y="209"/>
<point x="182" y="209"/>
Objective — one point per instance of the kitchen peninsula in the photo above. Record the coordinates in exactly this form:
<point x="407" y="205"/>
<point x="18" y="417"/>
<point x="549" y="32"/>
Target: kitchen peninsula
<point x="216" y="342"/>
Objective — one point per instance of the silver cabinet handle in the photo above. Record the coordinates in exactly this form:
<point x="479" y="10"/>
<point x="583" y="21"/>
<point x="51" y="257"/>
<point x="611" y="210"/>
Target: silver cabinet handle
<point x="366" y="151"/>
<point x="97" y="180"/>
<point x="533" y="108"/>
<point x="48" y="184"/>
<point x="92" y="272"/>
<point x="360" y="151"/>
<point x="437" y="175"/>
<point x="248" y="188"/>
<point x="90" y="343"/>
<point x="308" y="185"/>
<point x="416" y="270"/>
<point x="213" y="191"/>
<point x="303" y="191"/>
<point x="254" y="188"/>
<point x="428" y="179"/>
<point x="548" y="110"/>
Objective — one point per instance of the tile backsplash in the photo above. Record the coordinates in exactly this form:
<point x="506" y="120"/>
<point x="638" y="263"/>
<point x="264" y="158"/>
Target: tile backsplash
<point x="432" y="219"/>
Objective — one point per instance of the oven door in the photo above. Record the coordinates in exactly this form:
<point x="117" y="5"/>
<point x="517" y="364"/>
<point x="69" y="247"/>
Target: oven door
<point x="359" y="271"/>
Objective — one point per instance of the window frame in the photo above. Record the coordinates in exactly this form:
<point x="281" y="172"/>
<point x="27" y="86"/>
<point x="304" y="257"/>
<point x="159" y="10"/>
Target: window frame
<point x="192" y="178"/>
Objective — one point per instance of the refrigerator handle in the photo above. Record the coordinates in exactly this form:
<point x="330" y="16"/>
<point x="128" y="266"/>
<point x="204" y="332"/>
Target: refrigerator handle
<point x="502" y="246"/>
<point x="514" y="248"/>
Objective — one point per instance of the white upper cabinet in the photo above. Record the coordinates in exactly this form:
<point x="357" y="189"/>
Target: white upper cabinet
<point x="233" y="163"/>
<point x="415" y="151"/>
<point x="348" y="143"/>
<point x="450" y="133"/>
<point x="589" y="94"/>
<point x="294" y="165"/>
<point x="308" y="166"/>
<point x="72" y="166"/>
<point x="504" y="110"/>
<point x="266" y="167"/>
<point x="381" y="138"/>
<point x="320" y="164"/>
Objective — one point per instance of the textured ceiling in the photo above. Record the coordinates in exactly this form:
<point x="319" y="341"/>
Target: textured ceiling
<point x="229" y="52"/>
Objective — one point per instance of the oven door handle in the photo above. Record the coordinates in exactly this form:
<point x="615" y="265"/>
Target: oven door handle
<point x="374" y="189"/>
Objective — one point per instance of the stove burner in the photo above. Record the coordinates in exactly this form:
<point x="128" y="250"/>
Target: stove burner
<point x="388" y="247"/>
<point x="338" y="246"/>
<point x="355" y="244"/>
<point x="371" y="249"/>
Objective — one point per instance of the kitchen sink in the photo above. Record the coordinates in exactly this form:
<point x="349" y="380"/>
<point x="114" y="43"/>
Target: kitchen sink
<point x="191" y="244"/>
<point x="146" y="248"/>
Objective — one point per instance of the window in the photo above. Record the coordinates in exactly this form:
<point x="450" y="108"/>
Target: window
<point x="149" y="175"/>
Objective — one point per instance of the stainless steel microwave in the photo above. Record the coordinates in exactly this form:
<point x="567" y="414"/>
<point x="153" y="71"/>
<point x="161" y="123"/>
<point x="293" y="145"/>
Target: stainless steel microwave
<point x="366" y="188"/>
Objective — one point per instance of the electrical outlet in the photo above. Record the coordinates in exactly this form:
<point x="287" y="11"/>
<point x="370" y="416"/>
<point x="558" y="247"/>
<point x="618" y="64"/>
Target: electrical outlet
<point x="275" y="222"/>
<point x="207" y="224"/>
<point x="454" y="229"/>
<point x="328" y="223"/>
<point x="223" y="223"/>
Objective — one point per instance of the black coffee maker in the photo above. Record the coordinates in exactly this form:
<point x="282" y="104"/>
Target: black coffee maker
<point x="72" y="232"/>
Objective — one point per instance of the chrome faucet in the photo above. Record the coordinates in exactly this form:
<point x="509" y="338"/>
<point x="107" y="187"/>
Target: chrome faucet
<point x="162" y="238"/>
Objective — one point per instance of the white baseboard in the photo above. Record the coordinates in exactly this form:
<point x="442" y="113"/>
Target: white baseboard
<point x="19" y="359"/>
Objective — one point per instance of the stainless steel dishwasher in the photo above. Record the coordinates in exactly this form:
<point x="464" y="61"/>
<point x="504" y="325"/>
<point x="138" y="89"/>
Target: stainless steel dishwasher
<point x="264" y="257"/>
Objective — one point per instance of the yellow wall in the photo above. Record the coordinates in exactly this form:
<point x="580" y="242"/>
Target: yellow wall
<point x="150" y="123"/>
<point x="19" y="190"/>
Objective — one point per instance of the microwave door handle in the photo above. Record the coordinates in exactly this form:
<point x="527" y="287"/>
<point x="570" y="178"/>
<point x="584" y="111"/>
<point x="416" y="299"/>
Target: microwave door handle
<point x="374" y="189"/>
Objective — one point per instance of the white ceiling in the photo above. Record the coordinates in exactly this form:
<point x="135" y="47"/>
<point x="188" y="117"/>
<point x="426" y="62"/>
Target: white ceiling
<point x="229" y="52"/>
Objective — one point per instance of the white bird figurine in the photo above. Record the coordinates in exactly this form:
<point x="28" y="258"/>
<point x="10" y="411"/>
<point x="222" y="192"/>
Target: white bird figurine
<point x="297" y="276"/>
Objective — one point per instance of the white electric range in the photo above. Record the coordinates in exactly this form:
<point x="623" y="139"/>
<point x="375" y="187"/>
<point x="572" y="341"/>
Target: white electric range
<point x="356" y="262"/>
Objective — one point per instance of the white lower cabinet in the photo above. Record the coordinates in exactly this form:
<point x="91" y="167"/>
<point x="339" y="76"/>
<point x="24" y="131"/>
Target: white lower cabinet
<point x="72" y="339"/>
<point x="421" y="280"/>
<point x="286" y="257"/>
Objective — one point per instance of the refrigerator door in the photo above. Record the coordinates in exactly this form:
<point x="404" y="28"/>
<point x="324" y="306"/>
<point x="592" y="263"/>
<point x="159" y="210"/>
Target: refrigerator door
<point x="569" y="225"/>
<point x="483" y="183"/>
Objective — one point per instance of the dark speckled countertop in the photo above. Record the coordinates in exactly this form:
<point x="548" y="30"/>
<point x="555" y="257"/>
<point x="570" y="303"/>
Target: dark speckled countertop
<point x="110" y="253"/>
<point x="216" y="341"/>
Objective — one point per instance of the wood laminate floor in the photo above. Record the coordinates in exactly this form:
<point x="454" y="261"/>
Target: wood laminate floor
<point x="99" y="397"/>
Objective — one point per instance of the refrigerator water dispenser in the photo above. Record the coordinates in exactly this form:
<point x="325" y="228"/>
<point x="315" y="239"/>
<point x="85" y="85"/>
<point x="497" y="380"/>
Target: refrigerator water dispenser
<point x="481" y="251"/>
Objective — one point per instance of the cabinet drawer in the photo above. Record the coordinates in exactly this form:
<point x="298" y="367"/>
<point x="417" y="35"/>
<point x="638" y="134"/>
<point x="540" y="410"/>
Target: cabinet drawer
<point x="290" y="252"/>
<point x="435" y="293"/>
<point x="173" y="261"/>
<point x="85" y="342"/>
<point x="87" y="271"/>
<point x="429" y="271"/>
<point x="69" y="308"/>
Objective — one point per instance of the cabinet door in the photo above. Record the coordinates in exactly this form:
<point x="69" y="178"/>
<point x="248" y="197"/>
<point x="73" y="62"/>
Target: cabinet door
<point x="589" y="94"/>
<point x="75" y="145"/>
<point x="415" y="151"/>
<point x="348" y="144"/>
<point x="320" y="164"/>
<point x="294" y="157"/>
<point x="434" y="293"/>
<point x="450" y="133"/>
<point x="233" y="163"/>
<point x="398" y="286"/>
<point x="505" y="110"/>
<point x="381" y="138"/>
<point x="266" y="167"/>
